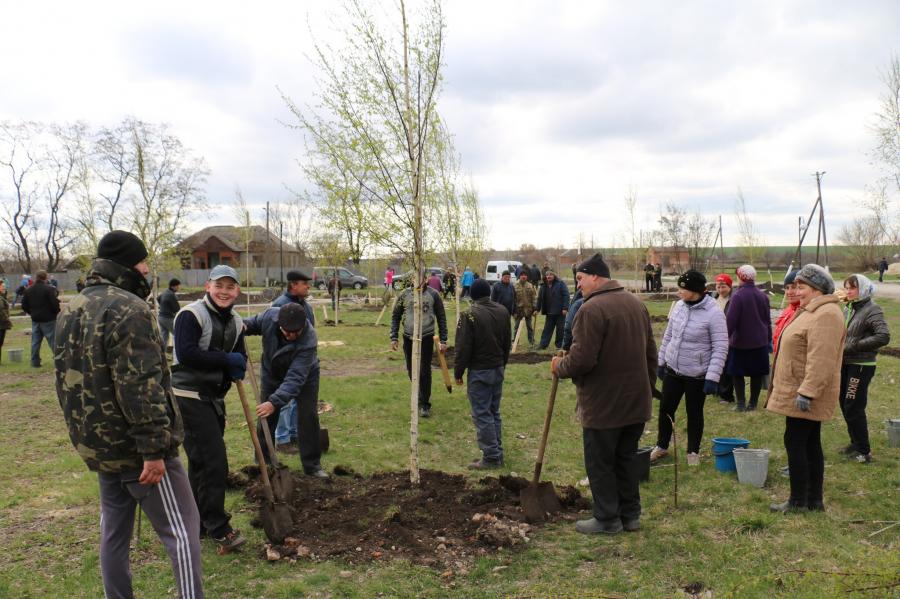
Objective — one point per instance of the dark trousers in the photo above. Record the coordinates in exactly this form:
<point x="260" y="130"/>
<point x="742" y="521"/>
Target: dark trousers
<point x="802" y="440"/>
<point x="485" y="389"/>
<point x="741" y="393"/>
<point x="610" y="459"/>
<point x="529" y="327"/>
<point x="424" y="367"/>
<point x="672" y="389"/>
<point x="2" y="339"/>
<point x="173" y="515"/>
<point x="648" y="282"/>
<point x="726" y="388"/>
<point x="307" y="423"/>
<point x="204" y="444"/>
<point x="854" y="396"/>
<point x="553" y="323"/>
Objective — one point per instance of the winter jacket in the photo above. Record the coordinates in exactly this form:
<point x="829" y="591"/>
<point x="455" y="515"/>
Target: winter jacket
<point x="482" y="337"/>
<point x="526" y="297"/>
<point x="112" y="379"/>
<point x="553" y="299"/>
<point x="434" y="282"/>
<point x="534" y="275"/>
<point x="41" y="302"/>
<point x="866" y="328"/>
<point x="505" y="295"/>
<point x="748" y="318"/>
<point x="468" y="277"/>
<point x="286" y="298"/>
<point x="286" y="365"/>
<point x="612" y="360"/>
<point x="168" y="304"/>
<point x="695" y="343"/>
<point x="5" y="322"/>
<point x="808" y="361"/>
<point x="432" y="309"/>
<point x="570" y="320"/>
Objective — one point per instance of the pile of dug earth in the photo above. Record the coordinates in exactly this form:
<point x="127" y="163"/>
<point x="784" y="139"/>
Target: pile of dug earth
<point x="445" y="522"/>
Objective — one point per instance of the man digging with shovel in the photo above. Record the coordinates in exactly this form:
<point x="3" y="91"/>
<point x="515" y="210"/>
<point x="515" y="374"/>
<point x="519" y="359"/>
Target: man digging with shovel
<point x="290" y="370"/>
<point x="613" y="363"/>
<point x="482" y="346"/>
<point x="209" y="354"/>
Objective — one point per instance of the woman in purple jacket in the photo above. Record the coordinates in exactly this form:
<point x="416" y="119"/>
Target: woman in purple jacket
<point x="749" y="338"/>
<point x="691" y="359"/>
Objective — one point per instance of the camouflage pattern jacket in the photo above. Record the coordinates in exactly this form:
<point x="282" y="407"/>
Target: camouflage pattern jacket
<point x="526" y="297"/>
<point x="112" y="379"/>
<point x="5" y="322"/>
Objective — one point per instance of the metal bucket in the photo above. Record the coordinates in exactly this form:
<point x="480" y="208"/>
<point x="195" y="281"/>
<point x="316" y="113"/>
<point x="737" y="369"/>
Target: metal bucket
<point x="893" y="431"/>
<point x="15" y="355"/>
<point x="752" y="466"/>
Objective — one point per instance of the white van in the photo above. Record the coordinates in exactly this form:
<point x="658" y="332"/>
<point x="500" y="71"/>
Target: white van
<point x="495" y="269"/>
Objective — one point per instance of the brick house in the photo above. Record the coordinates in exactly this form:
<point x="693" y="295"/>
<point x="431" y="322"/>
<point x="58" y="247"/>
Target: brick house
<point x="227" y="244"/>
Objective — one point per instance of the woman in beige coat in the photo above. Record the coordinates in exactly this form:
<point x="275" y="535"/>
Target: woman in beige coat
<point x="806" y="383"/>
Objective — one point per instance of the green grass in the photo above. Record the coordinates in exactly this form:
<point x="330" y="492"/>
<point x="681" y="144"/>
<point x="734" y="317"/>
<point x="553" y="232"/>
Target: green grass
<point x="721" y="535"/>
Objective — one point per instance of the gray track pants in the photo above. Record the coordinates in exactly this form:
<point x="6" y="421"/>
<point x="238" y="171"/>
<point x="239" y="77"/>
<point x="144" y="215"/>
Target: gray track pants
<point x="171" y="510"/>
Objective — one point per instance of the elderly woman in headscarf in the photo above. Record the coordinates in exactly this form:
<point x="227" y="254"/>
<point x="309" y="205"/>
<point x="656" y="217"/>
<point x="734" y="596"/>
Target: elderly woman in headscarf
<point x="866" y="332"/>
<point x="749" y="338"/>
<point x="806" y="384"/>
<point x="724" y="285"/>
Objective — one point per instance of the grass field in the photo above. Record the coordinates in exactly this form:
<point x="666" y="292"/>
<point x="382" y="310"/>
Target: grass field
<point x="720" y="541"/>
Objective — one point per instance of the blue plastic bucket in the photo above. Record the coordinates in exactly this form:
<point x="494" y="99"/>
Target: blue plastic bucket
<point x="723" y="448"/>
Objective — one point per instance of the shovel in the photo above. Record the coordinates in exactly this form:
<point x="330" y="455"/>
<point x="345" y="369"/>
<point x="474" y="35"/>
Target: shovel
<point x="275" y="516"/>
<point x="282" y="481"/>
<point x="445" y="372"/>
<point x="538" y="498"/>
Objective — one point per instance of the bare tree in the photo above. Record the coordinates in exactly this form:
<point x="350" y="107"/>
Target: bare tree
<point x="20" y="162"/>
<point x="673" y="226"/>
<point x="380" y="90"/>
<point x="61" y="165"/>
<point x="887" y="124"/>
<point x="700" y="233"/>
<point x="748" y="236"/>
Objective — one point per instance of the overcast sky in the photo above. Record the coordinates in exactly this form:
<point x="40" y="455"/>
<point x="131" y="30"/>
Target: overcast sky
<point x="557" y="107"/>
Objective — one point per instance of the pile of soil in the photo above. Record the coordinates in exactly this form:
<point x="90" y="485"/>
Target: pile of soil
<point x="445" y="522"/>
<point x="523" y="357"/>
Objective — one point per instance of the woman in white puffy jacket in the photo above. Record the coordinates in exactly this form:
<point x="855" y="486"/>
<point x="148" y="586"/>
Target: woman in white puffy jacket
<point x="691" y="358"/>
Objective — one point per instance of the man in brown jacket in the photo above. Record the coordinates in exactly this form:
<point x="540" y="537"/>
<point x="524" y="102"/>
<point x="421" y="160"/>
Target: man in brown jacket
<point x="613" y="364"/>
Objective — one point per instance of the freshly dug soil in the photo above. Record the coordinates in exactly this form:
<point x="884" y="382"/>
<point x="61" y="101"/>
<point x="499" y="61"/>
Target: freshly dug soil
<point x="445" y="522"/>
<point x="520" y="357"/>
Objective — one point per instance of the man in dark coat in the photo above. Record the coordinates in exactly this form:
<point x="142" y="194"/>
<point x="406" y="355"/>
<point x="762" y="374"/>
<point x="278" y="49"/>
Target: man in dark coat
<point x="168" y="308"/>
<point x="882" y="267"/>
<point x="482" y="346"/>
<point x="648" y="277"/>
<point x="613" y="363"/>
<point x="290" y="371"/>
<point x="504" y="293"/>
<point x="114" y="389"/>
<point x="41" y="302"/>
<point x="553" y="302"/>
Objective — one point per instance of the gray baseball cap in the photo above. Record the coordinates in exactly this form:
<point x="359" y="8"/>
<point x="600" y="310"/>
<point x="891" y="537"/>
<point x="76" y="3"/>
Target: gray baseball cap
<point x="223" y="270"/>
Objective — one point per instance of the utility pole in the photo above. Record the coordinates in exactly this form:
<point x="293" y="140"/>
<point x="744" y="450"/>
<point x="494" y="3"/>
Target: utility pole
<point x="822" y="234"/>
<point x="721" y="246"/>
<point x="281" y="249"/>
<point x="821" y="237"/>
<point x="267" y="244"/>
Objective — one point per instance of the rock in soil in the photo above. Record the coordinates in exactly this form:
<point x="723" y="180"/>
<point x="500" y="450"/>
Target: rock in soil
<point x="445" y="522"/>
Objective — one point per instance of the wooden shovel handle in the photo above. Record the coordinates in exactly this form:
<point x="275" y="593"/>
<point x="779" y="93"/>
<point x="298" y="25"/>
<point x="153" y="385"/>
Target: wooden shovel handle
<point x="265" y="422"/>
<point x="251" y="425"/>
<point x="539" y="464"/>
<point x="445" y="372"/>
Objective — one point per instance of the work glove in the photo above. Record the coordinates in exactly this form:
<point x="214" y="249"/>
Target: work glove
<point x="237" y="366"/>
<point x="660" y="372"/>
<point x="710" y="387"/>
<point x="802" y="403"/>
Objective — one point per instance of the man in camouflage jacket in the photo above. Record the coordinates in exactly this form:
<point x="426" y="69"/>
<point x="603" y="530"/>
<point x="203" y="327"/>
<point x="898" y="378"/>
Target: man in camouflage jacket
<point x="113" y="385"/>
<point x="526" y="298"/>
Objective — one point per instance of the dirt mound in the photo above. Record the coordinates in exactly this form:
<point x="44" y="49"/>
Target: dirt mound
<point x="523" y="357"/>
<point x="445" y="522"/>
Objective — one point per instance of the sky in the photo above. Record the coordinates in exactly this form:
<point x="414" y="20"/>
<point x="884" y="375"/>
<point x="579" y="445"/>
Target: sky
<point x="557" y="108"/>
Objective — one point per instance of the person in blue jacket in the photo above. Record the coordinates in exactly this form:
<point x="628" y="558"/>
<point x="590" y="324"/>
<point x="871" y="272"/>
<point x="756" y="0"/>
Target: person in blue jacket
<point x="290" y="371"/>
<point x="468" y="277"/>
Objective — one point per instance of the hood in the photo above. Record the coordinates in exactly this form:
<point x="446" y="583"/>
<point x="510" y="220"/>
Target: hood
<point x="107" y="272"/>
<point x="866" y="288"/>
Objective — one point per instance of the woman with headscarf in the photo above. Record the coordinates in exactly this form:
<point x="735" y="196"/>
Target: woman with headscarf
<point x="793" y="302"/>
<point x="723" y="298"/>
<point x="866" y="332"/>
<point x="749" y="338"/>
<point x="691" y="359"/>
<point x="806" y="383"/>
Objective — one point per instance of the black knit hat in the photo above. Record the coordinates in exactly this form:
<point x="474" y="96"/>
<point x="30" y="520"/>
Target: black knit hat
<point x="594" y="266"/>
<point x="480" y="288"/>
<point x="122" y="248"/>
<point x="692" y="280"/>
<point x="292" y="317"/>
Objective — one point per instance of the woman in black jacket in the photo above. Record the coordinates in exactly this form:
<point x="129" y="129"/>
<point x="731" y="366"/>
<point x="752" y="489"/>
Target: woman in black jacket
<point x="866" y="332"/>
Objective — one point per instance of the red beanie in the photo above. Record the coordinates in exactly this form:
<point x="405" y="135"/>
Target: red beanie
<point x="724" y="278"/>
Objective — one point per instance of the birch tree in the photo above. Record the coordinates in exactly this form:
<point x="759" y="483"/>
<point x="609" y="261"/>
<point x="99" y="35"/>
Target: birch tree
<point x="380" y="88"/>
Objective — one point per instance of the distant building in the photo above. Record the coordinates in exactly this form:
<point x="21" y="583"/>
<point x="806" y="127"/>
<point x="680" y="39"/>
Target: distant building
<point x="227" y="244"/>
<point x="673" y="260"/>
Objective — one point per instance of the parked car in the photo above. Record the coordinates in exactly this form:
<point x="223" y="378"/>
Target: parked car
<point x="402" y="281"/>
<point x="322" y="274"/>
<point x="495" y="268"/>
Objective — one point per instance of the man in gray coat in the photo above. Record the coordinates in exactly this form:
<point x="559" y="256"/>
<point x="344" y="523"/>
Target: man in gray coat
<point x="613" y="363"/>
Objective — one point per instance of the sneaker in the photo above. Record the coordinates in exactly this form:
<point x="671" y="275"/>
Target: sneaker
<point x="786" y="471"/>
<point x="658" y="453"/>
<point x="693" y="459"/>
<point x="788" y="507"/>
<point x="229" y="542"/>
<point x="482" y="464"/>
<point x="593" y="526"/>
<point x="862" y="458"/>
<point x="316" y="473"/>
<point x="425" y="412"/>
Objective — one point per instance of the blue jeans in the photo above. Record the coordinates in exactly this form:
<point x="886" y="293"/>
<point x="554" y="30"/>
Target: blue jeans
<point x="485" y="388"/>
<point x="286" y="431"/>
<point x="40" y="331"/>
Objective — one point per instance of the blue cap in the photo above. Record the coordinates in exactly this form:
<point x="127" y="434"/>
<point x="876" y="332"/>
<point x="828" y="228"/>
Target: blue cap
<point x="223" y="270"/>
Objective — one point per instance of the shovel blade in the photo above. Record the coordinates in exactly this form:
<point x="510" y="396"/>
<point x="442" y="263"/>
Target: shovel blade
<point x="276" y="521"/>
<point x="282" y="484"/>
<point x="539" y="500"/>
